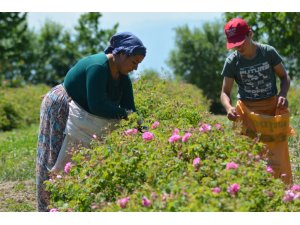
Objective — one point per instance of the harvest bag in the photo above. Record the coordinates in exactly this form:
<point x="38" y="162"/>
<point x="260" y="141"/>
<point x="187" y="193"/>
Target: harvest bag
<point x="273" y="128"/>
<point x="80" y="128"/>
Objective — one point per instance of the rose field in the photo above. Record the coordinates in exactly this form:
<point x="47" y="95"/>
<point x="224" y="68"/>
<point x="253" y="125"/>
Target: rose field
<point x="184" y="159"/>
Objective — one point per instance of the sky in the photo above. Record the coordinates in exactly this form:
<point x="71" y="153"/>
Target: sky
<point x="156" y="30"/>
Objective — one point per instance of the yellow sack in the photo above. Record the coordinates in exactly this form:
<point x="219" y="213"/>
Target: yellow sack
<point x="260" y="119"/>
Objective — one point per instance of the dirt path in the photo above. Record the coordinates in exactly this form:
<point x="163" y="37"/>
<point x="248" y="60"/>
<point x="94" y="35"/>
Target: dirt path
<point x="17" y="196"/>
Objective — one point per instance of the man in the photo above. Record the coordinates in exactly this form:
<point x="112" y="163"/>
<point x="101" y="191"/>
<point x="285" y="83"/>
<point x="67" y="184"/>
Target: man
<point x="254" y="66"/>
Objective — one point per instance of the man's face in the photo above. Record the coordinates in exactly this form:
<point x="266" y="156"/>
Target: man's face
<point x="242" y="49"/>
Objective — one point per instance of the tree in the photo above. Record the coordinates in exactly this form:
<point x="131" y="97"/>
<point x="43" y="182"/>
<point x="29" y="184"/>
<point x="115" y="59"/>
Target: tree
<point x="281" y="30"/>
<point x="198" y="58"/>
<point x="58" y="49"/>
<point x="55" y="53"/>
<point x="13" y="45"/>
<point x="46" y="56"/>
<point x="90" y="38"/>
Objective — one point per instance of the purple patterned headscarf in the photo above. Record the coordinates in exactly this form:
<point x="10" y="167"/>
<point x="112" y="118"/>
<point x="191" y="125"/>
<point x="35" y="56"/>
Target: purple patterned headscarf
<point x="127" y="43"/>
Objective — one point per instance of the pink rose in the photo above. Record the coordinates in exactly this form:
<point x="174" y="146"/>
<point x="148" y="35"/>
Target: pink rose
<point x="295" y="187"/>
<point x="186" y="137"/>
<point x="269" y="169"/>
<point x="68" y="167"/>
<point x="131" y="131"/>
<point x="123" y="202"/>
<point x="153" y="195"/>
<point x="196" y="163"/>
<point x="174" y="138"/>
<point x="53" y="210"/>
<point x="205" y="127"/>
<point x="147" y="136"/>
<point x="231" y="165"/>
<point x="155" y="124"/>
<point x="146" y="202"/>
<point x="176" y="131"/>
<point x="216" y="190"/>
<point x="218" y="126"/>
<point x="297" y="195"/>
<point x="234" y="188"/>
<point x="289" y="196"/>
<point x="165" y="197"/>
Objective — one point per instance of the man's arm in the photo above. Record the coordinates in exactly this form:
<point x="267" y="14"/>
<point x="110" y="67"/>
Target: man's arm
<point x="226" y="100"/>
<point x="284" y="85"/>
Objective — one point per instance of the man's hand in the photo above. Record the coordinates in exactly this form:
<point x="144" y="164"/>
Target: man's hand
<point x="282" y="102"/>
<point x="232" y="115"/>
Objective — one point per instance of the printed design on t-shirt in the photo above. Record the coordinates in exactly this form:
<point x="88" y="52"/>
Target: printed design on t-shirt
<point x="257" y="82"/>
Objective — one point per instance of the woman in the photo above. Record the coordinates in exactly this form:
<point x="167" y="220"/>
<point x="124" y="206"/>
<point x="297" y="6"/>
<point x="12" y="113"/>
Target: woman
<point x="254" y="67"/>
<point x="97" y="87"/>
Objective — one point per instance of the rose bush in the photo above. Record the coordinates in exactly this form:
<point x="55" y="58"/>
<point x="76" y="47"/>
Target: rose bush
<point x="20" y="107"/>
<point x="212" y="168"/>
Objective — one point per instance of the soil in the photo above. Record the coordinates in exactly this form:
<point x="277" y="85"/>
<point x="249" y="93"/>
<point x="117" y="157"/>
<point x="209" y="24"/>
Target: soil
<point x="17" y="196"/>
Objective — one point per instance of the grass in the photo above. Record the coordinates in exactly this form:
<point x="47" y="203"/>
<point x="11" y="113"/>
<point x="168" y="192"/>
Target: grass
<point x="17" y="196"/>
<point x="17" y="169"/>
<point x="18" y="153"/>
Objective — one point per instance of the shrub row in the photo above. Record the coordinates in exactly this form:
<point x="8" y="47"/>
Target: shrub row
<point x="20" y="107"/>
<point x="186" y="161"/>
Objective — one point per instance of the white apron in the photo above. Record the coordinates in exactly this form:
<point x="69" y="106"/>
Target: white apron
<point x="80" y="128"/>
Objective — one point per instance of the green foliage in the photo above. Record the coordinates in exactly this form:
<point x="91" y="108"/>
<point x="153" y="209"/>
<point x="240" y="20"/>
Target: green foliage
<point x="294" y="98"/>
<point x="54" y="54"/>
<point x="13" y="45"/>
<point x="294" y="148"/>
<point x="198" y="58"/>
<point x="19" y="107"/>
<point x="57" y="50"/>
<point x="90" y="38"/>
<point x="170" y="97"/>
<point x="9" y="118"/>
<point x="123" y="165"/>
<point x="294" y="142"/>
<point x="45" y="56"/>
<point x="279" y="29"/>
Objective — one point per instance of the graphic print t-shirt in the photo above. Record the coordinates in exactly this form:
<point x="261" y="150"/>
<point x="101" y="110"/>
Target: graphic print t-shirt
<point x="255" y="77"/>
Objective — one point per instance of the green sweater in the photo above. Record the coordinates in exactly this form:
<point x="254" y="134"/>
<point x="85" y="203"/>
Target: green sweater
<point x="89" y="83"/>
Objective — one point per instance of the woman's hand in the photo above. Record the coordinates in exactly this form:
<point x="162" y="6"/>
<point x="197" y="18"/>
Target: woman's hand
<point x="232" y="114"/>
<point x="282" y="102"/>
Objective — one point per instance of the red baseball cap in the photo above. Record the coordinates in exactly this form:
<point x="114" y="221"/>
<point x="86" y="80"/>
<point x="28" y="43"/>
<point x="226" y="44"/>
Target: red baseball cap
<point x="236" y="30"/>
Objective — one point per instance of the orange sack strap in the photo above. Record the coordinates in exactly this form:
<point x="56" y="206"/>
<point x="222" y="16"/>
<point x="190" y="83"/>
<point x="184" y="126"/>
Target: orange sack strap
<point x="262" y="119"/>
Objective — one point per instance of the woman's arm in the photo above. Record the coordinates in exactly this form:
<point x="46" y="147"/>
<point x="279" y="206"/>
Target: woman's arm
<point x="127" y="100"/>
<point x="226" y="100"/>
<point x="284" y="85"/>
